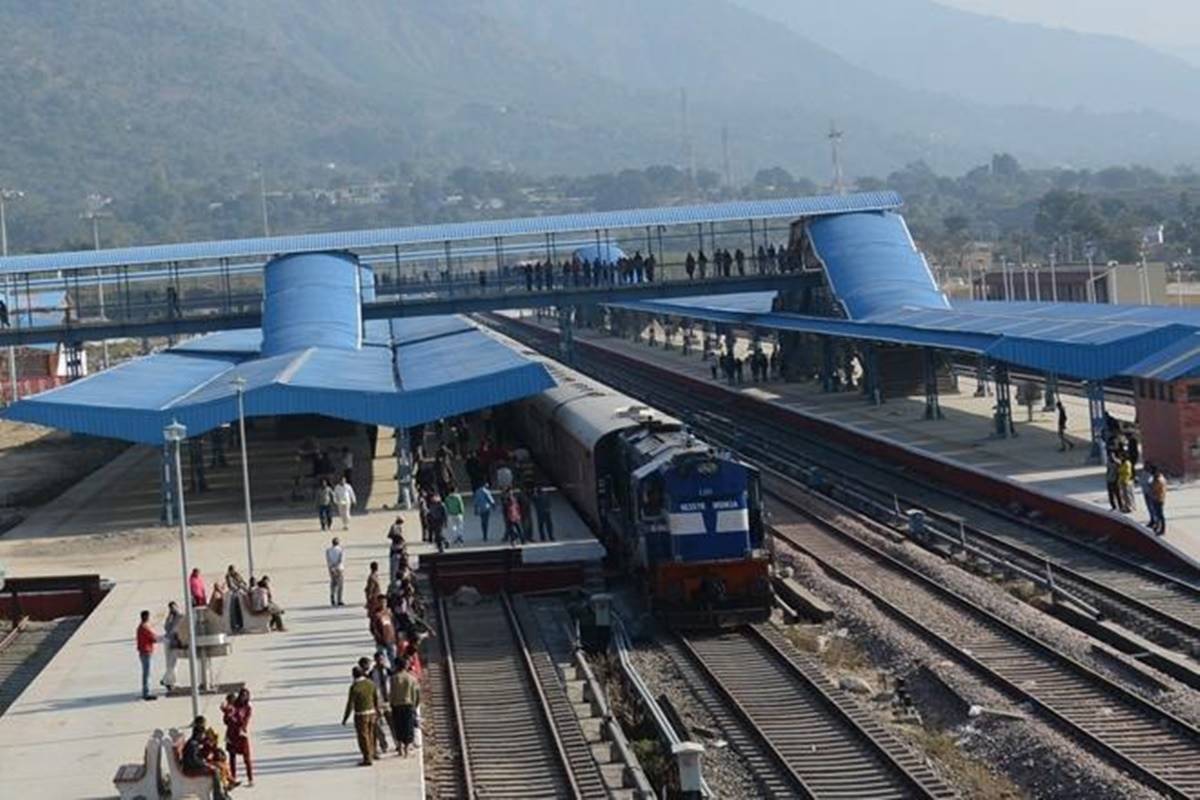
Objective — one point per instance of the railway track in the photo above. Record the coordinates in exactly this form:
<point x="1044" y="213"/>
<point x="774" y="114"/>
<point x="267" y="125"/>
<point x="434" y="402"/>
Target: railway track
<point x="1158" y="605"/>
<point x="26" y="650"/>
<point x="1155" y="747"/>
<point x="810" y="738"/>
<point x="516" y="730"/>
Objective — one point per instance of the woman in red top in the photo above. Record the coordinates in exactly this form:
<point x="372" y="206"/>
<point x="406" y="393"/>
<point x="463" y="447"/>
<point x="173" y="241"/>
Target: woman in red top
<point x="196" y="586"/>
<point x="237" y="733"/>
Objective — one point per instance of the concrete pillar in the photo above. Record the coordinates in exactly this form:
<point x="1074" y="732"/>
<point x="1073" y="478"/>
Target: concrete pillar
<point x="1003" y="418"/>
<point x="826" y="364"/>
<point x="981" y="377"/>
<point x="688" y="757"/>
<point x="933" y="406"/>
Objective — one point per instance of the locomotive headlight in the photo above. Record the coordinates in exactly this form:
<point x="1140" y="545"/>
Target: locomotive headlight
<point x="708" y="468"/>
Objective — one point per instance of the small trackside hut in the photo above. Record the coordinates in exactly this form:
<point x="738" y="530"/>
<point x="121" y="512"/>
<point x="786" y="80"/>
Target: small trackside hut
<point x="682" y="518"/>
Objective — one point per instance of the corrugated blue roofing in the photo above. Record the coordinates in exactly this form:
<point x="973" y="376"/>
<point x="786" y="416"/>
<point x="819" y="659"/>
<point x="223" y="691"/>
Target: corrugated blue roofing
<point x="312" y="299"/>
<point x="1176" y="361"/>
<point x="452" y="232"/>
<point x="453" y="369"/>
<point x="872" y="263"/>
<point x="1088" y="350"/>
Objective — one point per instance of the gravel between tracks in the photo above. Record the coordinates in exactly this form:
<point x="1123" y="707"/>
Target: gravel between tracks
<point x="1034" y="756"/>
<point x="723" y="769"/>
<point x="1180" y="700"/>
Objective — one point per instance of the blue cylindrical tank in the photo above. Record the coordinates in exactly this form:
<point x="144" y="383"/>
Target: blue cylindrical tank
<point x="312" y="299"/>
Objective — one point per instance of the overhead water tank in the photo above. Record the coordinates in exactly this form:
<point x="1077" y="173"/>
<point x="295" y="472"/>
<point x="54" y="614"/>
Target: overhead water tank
<point x="312" y="299"/>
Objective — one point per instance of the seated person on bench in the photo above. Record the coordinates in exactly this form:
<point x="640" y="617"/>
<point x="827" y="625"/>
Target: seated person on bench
<point x="261" y="602"/>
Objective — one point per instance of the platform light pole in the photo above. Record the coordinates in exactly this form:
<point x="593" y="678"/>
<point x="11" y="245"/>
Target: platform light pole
<point x="262" y="197"/>
<point x="93" y="210"/>
<point x="5" y="196"/>
<point x="174" y="434"/>
<point x="239" y="385"/>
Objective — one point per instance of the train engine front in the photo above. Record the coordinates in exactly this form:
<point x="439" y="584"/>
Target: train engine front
<point x="699" y="527"/>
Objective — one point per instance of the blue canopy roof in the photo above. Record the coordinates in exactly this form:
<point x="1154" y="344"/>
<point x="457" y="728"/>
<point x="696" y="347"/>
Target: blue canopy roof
<point x="1123" y="341"/>
<point x="396" y="373"/>
<point x="450" y="368"/>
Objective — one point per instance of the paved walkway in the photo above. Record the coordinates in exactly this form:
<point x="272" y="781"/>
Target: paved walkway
<point x="965" y="435"/>
<point x="82" y="717"/>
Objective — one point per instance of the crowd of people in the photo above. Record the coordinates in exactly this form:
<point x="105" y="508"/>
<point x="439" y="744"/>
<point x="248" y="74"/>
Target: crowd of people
<point x="385" y="692"/>
<point x="761" y="366"/>
<point x="1122" y="475"/>
<point x="502" y="481"/>
<point x="231" y="597"/>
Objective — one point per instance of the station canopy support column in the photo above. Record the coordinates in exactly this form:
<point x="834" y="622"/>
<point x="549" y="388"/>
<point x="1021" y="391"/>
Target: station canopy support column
<point x="933" y="406"/>
<point x="873" y="386"/>
<point x="1003" y="418"/>
<point x="566" y="334"/>
<point x="404" y="468"/>
<point x="826" y="364"/>
<point x="1096" y="415"/>
<point x="981" y="377"/>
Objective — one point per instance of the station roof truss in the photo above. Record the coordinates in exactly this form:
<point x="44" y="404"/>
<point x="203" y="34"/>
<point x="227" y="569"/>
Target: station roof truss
<point x="487" y="230"/>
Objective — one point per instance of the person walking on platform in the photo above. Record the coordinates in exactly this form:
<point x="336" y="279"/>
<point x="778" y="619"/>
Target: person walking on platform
<point x="373" y="588"/>
<point x="689" y="266"/>
<point x="363" y="703"/>
<point x="404" y="693"/>
<point x="396" y="549"/>
<point x="702" y="264"/>
<point x="377" y="671"/>
<point x="1112" y="481"/>
<point x="171" y="644"/>
<point x="1063" y="442"/>
<point x="484" y="503"/>
<point x="542" y="507"/>
<point x="1157" y="500"/>
<point x="236" y="715"/>
<point x="146" y="639"/>
<point x="335" y="559"/>
<point x="455" y="513"/>
<point x="325" y="504"/>
<point x="343" y="495"/>
<point x="512" y="518"/>
<point x="383" y="629"/>
<point x="1125" y="483"/>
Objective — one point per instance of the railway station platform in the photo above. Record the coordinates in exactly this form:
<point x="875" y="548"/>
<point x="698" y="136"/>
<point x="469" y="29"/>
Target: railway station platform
<point x="82" y="716"/>
<point x="963" y="437"/>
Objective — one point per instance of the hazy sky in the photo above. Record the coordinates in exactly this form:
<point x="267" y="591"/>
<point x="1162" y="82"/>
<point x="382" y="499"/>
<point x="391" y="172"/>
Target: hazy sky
<point x="1171" y="22"/>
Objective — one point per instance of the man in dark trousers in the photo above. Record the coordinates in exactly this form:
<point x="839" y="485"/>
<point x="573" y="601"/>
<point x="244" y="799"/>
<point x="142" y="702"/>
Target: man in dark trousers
<point x="1063" y="442"/>
<point x="362" y="701"/>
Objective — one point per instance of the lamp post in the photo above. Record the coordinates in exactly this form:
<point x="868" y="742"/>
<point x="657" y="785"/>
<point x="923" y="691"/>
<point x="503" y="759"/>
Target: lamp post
<point x="261" y="174"/>
<point x="174" y="434"/>
<point x="95" y="205"/>
<point x="5" y="196"/>
<point x="239" y="385"/>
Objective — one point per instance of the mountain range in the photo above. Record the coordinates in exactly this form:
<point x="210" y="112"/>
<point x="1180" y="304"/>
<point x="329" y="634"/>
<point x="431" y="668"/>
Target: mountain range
<point x="100" y="95"/>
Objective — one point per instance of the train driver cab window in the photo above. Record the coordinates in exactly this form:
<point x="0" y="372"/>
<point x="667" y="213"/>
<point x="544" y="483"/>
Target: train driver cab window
<point x="651" y="498"/>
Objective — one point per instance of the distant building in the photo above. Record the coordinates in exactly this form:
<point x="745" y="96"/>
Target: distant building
<point x="1068" y="283"/>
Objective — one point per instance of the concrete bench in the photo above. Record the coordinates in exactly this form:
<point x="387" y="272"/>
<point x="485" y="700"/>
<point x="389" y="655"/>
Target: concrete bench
<point x="183" y="785"/>
<point x="255" y="621"/>
<point x="142" y="781"/>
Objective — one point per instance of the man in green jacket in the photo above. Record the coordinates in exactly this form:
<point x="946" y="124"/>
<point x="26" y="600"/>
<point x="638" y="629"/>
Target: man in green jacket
<point x="454" y="515"/>
<point x="364" y="704"/>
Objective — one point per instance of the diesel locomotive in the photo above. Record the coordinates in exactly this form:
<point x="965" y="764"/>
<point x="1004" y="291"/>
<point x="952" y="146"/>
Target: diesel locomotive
<point x="684" y="518"/>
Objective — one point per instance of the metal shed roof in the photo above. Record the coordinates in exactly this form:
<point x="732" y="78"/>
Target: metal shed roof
<point x="1179" y="360"/>
<point x="449" y="367"/>
<point x="793" y="208"/>
<point x="1105" y="347"/>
